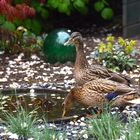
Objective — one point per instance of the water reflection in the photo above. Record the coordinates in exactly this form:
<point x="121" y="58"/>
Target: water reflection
<point x="45" y="105"/>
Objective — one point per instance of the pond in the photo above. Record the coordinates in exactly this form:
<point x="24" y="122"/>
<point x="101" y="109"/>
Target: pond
<point x="41" y="102"/>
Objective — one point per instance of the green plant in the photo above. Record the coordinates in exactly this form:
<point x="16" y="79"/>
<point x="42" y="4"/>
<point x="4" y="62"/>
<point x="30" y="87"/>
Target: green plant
<point x="117" y="55"/>
<point x="33" y="14"/>
<point x="13" y="13"/>
<point x="132" y="130"/>
<point x="67" y="6"/>
<point x="22" y="123"/>
<point x="102" y="6"/>
<point x="21" y="40"/>
<point x="106" y="127"/>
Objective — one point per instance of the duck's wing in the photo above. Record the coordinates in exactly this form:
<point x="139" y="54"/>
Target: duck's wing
<point x="106" y="86"/>
<point x="102" y="72"/>
<point x="90" y="97"/>
<point x="90" y="73"/>
<point x="121" y="78"/>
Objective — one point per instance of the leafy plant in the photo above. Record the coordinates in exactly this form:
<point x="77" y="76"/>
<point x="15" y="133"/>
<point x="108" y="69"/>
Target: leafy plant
<point x="14" y="13"/>
<point x="21" y="40"/>
<point x="67" y="6"/>
<point x="106" y="127"/>
<point x="102" y="6"/>
<point x="117" y="55"/>
<point x="30" y="14"/>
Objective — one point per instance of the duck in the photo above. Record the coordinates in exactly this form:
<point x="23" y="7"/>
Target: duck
<point x="95" y="94"/>
<point x="83" y="72"/>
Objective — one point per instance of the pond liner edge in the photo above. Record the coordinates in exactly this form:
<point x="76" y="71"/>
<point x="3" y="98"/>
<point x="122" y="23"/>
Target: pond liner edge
<point x="28" y="90"/>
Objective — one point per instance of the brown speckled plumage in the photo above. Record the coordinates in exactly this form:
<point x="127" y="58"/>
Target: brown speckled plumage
<point x="123" y="100"/>
<point x="94" y="93"/>
<point x="83" y="72"/>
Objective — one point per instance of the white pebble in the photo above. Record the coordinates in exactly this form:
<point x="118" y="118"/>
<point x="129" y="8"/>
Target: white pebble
<point x="85" y="136"/>
<point x="66" y="77"/>
<point x="96" y="40"/>
<point x="3" y="80"/>
<point x="32" y="91"/>
<point x="30" y="138"/>
<point x="42" y="66"/>
<point x="71" y="123"/>
<point x="14" y="85"/>
<point x="74" y="132"/>
<point x="48" y="69"/>
<point x="3" y="134"/>
<point x="74" y="135"/>
<point x="1" y="72"/>
<point x="35" y="57"/>
<point x="53" y="87"/>
<point x="82" y="124"/>
<point x="45" y="79"/>
<point x="58" y="98"/>
<point x="44" y="74"/>
<point x="26" y="79"/>
<point x="53" y="95"/>
<point x="52" y="125"/>
<point x="68" y="133"/>
<point x="76" y="123"/>
<point x="82" y="119"/>
<point x="13" y="136"/>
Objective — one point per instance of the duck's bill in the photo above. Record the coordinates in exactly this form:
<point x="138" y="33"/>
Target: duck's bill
<point x="68" y="42"/>
<point x="64" y="113"/>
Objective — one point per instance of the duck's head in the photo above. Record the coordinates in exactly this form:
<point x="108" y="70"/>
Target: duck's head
<point x="67" y="104"/>
<point x="76" y="40"/>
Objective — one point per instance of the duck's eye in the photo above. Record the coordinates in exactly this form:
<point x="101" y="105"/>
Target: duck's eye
<point x="63" y="104"/>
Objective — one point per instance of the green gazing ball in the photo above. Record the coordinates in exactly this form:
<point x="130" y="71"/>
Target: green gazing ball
<point x="54" y="49"/>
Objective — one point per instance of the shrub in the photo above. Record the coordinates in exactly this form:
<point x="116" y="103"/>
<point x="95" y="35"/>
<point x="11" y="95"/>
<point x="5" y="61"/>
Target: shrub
<point x="116" y="55"/>
<point x="21" y="40"/>
<point x="102" y="6"/>
<point x="30" y="14"/>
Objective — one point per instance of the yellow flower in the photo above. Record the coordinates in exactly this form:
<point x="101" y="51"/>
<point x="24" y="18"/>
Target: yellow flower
<point x="132" y="43"/>
<point x="109" y="47"/>
<point x="110" y="39"/>
<point x="121" y="41"/>
<point x="102" y="47"/>
<point x="128" y="49"/>
<point x="21" y="29"/>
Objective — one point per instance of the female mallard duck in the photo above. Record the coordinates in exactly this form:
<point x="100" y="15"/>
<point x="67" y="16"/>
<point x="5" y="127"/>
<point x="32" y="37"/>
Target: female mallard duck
<point x="95" y="94"/>
<point x="84" y="72"/>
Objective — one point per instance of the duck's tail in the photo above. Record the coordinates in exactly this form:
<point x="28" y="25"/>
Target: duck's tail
<point x="127" y="99"/>
<point x="129" y="80"/>
<point x="134" y="101"/>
